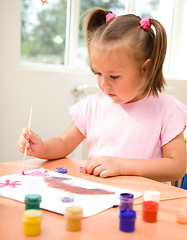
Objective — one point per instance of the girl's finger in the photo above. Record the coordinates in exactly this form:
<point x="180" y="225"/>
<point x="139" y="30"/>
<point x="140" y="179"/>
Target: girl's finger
<point x="25" y="132"/>
<point x="27" y="145"/>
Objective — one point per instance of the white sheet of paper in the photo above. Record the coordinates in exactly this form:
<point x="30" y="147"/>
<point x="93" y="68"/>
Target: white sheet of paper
<point x="92" y="197"/>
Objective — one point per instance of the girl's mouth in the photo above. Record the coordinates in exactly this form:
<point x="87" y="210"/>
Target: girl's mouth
<point x="111" y="95"/>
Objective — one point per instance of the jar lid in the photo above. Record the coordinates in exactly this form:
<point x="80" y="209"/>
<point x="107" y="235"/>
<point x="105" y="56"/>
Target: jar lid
<point x="126" y="196"/>
<point x="67" y="199"/>
<point x="32" y="215"/>
<point x="74" y="211"/>
<point x="33" y="198"/>
<point x="182" y="217"/>
<point x="61" y="170"/>
<point x="152" y="196"/>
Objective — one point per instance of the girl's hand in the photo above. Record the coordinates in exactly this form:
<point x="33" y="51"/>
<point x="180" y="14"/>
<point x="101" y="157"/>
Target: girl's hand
<point x="104" y="166"/>
<point x="32" y="142"/>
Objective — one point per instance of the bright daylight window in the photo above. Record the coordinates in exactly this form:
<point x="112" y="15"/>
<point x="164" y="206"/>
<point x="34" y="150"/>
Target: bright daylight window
<point x="52" y="32"/>
<point x="180" y="60"/>
<point x="43" y="31"/>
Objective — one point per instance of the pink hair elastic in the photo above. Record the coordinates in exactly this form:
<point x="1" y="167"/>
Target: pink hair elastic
<point x="110" y="16"/>
<point x="81" y="169"/>
<point x="145" y="23"/>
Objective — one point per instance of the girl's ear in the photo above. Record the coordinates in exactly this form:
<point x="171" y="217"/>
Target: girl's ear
<point x="145" y="64"/>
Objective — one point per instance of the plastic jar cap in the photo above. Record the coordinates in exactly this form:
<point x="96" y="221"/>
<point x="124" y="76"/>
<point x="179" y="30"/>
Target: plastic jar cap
<point x="127" y="214"/>
<point x="34" y="198"/>
<point x="74" y="211"/>
<point x="152" y="196"/>
<point x="126" y="196"/>
<point x="67" y="199"/>
<point x="32" y="215"/>
<point x="182" y="217"/>
<point x="61" y="170"/>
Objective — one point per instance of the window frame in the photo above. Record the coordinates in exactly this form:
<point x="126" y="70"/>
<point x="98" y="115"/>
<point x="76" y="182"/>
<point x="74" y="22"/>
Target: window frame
<point x="72" y="31"/>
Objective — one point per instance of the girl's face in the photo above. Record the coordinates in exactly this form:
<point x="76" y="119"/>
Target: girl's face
<point x="119" y="76"/>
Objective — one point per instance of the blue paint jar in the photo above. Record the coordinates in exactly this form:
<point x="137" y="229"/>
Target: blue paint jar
<point x="127" y="220"/>
<point x="126" y="201"/>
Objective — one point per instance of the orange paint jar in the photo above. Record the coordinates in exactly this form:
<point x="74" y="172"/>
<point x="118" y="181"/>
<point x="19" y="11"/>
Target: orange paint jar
<point x="73" y="215"/>
<point x="149" y="211"/>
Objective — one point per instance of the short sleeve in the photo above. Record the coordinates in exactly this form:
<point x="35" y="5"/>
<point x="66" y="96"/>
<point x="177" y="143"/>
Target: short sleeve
<point x="78" y="114"/>
<point x="174" y="120"/>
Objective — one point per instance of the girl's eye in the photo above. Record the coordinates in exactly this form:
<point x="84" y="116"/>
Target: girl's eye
<point x="97" y="73"/>
<point x="114" y="77"/>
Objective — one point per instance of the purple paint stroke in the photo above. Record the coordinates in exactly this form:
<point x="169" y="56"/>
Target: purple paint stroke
<point x="56" y="182"/>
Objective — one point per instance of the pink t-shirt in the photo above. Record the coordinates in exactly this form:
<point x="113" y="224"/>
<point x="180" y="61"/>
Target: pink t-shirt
<point x="132" y="130"/>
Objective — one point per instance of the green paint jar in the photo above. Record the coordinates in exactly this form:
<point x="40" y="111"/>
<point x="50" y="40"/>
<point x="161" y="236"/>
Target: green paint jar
<point x="32" y="201"/>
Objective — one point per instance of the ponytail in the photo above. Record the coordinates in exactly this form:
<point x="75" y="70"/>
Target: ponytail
<point x="154" y="76"/>
<point x="95" y="18"/>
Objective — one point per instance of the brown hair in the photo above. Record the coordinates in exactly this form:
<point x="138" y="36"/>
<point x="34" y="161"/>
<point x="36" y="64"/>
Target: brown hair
<point x="125" y="31"/>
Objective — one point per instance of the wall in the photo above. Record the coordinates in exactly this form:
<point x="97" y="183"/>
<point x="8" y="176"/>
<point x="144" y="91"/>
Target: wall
<point x="49" y="92"/>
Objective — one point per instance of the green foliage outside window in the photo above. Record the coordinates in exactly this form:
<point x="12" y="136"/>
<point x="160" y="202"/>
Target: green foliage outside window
<point x="44" y="39"/>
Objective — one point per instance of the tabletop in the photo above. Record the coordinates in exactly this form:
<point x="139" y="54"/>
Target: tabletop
<point x="101" y="225"/>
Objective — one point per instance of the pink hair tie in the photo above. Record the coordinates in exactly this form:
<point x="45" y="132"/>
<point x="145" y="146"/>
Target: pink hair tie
<point x="145" y="24"/>
<point x="110" y="16"/>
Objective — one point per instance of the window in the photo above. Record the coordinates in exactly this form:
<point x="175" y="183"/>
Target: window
<point x="46" y="30"/>
<point x="52" y="33"/>
<point x="180" y="39"/>
<point x="43" y="31"/>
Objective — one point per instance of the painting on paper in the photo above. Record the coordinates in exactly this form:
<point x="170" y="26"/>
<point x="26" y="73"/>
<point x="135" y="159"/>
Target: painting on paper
<point x="55" y="187"/>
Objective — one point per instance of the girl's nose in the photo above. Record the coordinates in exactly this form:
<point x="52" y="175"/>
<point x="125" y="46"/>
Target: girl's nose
<point x="104" y="82"/>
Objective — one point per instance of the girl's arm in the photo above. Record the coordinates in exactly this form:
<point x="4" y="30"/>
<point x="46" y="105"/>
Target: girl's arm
<point x="53" y="148"/>
<point x="168" y="168"/>
<point x="59" y="147"/>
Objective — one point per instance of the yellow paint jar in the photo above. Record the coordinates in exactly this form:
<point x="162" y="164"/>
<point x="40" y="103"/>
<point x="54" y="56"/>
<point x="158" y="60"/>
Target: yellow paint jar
<point x="32" y="222"/>
<point x="73" y="215"/>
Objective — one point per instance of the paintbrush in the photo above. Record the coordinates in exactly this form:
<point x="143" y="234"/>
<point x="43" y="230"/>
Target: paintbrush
<point x="25" y="153"/>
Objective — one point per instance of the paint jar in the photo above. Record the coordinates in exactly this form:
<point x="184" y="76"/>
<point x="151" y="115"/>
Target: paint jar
<point x="32" y="201"/>
<point x="73" y="215"/>
<point x="126" y="201"/>
<point x="149" y="211"/>
<point x="150" y="206"/>
<point x="32" y="219"/>
<point x="127" y="220"/>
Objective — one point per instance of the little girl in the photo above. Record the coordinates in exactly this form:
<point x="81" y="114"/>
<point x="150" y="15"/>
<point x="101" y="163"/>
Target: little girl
<point x="131" y="127"/>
